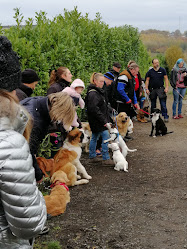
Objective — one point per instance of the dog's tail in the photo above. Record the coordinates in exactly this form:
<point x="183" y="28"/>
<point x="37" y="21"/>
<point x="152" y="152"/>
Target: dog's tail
<point x="129" y="150"/>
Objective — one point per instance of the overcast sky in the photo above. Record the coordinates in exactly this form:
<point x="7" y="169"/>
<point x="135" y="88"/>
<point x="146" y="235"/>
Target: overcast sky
<point x="166" y="15"/>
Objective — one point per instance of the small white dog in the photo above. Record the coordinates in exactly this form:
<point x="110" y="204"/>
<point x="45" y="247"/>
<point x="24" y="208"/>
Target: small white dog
<point x="130" y="127"/>
<point x="119" y="160"/>
<point x="117" y="138"/>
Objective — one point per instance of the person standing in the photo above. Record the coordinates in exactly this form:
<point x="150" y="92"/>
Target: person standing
<point x="116" y="67"/>
<point x="98" y="117"/>
<point x="124" y="92"/>
<point x="178" y="81"/>
<point x="29" y="79"/>
<point x="154" y="85"/>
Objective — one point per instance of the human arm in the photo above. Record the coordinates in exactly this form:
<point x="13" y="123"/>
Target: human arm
<point x="122" y="82"/>
<point x="147" y="85"/>
<point x="166" y="83"/>
<point x="81" y="103"/>
<point x="173" y="79"/>
<point x="23" y="203"/>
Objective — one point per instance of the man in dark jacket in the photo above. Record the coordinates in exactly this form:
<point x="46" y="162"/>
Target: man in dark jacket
<point x="29" y="80"/>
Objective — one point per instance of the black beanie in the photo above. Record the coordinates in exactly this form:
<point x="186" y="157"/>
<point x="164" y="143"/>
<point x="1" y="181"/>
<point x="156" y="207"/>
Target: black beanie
<point x="29" y="76"/>
<point x="10" y="72"/>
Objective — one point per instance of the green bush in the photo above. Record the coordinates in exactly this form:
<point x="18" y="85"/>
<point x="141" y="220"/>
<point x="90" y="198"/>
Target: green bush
<point x="74" y="41"/>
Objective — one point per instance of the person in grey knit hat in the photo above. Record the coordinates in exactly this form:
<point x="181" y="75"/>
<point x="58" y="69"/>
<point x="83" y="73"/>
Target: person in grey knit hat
<point x="10" y="71"/>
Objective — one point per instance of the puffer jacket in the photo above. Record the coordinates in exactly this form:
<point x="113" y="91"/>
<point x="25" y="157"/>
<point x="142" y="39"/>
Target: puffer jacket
<point x="22" y="206"/>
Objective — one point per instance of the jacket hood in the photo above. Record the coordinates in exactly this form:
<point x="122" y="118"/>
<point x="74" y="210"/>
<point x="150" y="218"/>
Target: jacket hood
<point x="93" y="87"/>
<point x="77" y="83"/>
<point x="13" y="117"/>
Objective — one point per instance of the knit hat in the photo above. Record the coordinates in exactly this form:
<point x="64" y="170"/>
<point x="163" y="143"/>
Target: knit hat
<point x="29" y="76"/>
<point x="77" y="83"/>
<point x="10" y="72"/>
<point x="109" y="75"/>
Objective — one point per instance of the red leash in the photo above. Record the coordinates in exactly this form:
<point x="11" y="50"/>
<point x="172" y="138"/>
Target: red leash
<point x="142" y="110"/>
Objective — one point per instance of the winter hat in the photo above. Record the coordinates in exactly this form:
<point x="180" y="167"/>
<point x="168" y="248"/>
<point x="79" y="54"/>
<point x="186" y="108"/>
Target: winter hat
<point x="10" y="72"/>
<point x="77" y="83"/>
<point x="29" y="76"/>
<point x="109" y="75"/>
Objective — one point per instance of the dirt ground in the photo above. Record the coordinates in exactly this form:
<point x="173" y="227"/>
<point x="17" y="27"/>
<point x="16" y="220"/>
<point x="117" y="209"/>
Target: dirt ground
<point x="142" y="209"/>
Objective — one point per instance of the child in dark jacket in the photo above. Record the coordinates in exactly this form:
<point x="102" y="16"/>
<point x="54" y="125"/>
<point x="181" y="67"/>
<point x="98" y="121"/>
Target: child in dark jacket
<point x="98" y="117"/>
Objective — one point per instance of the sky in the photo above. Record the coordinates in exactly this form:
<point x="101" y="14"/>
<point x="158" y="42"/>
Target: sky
<point x="167" y="15"/>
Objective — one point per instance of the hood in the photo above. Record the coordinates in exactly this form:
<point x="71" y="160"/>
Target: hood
<point x="14" y="122"/>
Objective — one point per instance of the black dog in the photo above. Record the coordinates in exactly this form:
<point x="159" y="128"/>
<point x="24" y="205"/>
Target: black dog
<point x="158" y="124"/>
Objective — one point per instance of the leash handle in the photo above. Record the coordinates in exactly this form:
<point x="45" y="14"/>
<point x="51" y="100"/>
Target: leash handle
<point x="179" y="93"/>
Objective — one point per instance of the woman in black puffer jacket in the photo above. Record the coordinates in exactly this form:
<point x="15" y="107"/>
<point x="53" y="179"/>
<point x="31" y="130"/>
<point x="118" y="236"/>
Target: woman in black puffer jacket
<point x="98" y="117"/>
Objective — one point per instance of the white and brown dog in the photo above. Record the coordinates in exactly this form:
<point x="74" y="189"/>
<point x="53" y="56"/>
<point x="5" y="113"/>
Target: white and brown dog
<point x="117" y="138"/>
<point x="87" y="130"/>
<point x="119" y="160"/>
<point x="73" y="142"/>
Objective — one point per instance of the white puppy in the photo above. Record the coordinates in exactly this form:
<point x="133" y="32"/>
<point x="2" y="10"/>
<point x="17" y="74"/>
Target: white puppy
<point x="130" y="127"/>
<point x="119" y="160"/>
<point x="117" y="138"/>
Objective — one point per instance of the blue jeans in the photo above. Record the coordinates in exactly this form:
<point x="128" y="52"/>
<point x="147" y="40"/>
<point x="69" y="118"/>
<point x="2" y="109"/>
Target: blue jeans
<point x="92" y="148"/>
<point x="162" y="105"/>
<point x="177" y="99"/>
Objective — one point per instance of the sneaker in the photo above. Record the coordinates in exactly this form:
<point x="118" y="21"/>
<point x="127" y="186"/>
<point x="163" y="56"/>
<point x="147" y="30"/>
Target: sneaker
<point x="128" y="138"/>
<point x="166" y="120"/>
<point x="175" y="117"/>
<point x="108" y="162"/>
<point x="95" y="160"/>
<point x="180" y="116"/>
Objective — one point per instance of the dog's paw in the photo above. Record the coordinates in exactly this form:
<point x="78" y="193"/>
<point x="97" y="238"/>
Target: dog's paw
<point x="117" y="169"/>
<point x="88" y="177"/>
<point x="105" y="141"/>
<point x="78" y="177"/>
<point x="154" y="136"/>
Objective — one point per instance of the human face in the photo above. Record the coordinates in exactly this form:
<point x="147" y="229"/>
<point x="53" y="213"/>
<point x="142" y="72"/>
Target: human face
<point x="135" y="71"/>
<point x="99" y="82"/>
<point x="32" y="85"/>
<point x="79" y="89"/>
<point x="117" y="69"/>
<point x="67" y="76"/>
<point x="108" y="81"/>
<point x="156" y="64"/>
<point x="181" y="64"/>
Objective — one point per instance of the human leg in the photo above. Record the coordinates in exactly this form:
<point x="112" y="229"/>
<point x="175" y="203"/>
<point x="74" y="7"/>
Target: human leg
<point x="153" y="104"/>
<point x="93" y="144"/>
<point x="105" y="153"/>
<point x="175" y="101"/>
<point x="164" y="108"/>
<point x="182" y="92"/>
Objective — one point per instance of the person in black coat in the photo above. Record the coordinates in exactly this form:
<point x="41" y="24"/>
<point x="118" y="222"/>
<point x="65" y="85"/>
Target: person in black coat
<point x="29" y="79"/>
<point x="98" y="117"/>
<point x="59" y="79"/>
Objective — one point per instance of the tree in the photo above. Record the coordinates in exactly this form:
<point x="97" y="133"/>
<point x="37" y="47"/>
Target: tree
<point x="172" y="54"/>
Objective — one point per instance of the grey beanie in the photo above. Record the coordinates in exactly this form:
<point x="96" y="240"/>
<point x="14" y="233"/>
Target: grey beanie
<point x="10" y="71"/>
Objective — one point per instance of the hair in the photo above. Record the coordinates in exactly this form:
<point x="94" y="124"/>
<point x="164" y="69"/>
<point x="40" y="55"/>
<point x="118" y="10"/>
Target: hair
<point x="55" y="75"/>
<point x="95" y="76"/>
<point x="133" y="65"/>
<point x="62" y="108"/>
<point x="154" y="59"/>
<point x="9" y="108"/>
<point x="130" y="62"/>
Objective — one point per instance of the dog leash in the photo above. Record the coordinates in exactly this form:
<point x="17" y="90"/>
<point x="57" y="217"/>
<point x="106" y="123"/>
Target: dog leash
<point x="114" y="114"/>
<point x="179" y="93"/>
<point x="141" y="110"/>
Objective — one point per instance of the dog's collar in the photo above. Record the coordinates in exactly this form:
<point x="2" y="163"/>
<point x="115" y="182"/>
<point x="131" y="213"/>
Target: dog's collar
<point x="116" y="150"/>
<point x="117" y="134"/>
<point x="60" y="183"/>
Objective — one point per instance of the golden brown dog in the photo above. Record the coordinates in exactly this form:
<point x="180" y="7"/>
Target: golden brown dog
<point x="59" y="197"/>
<point x="46" y="165"/>
<point x="63" y="161"/>
<point x="141" y="117"/>
<point x="122" y="123"/>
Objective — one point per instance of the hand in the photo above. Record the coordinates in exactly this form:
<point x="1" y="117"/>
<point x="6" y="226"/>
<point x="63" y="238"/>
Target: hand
<point x="166" y="90"/>
<point x="137" y="106"/>
<point x="107" y="125"/>
<point x="147" y="91"/>
<point x="129" y="102"/>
